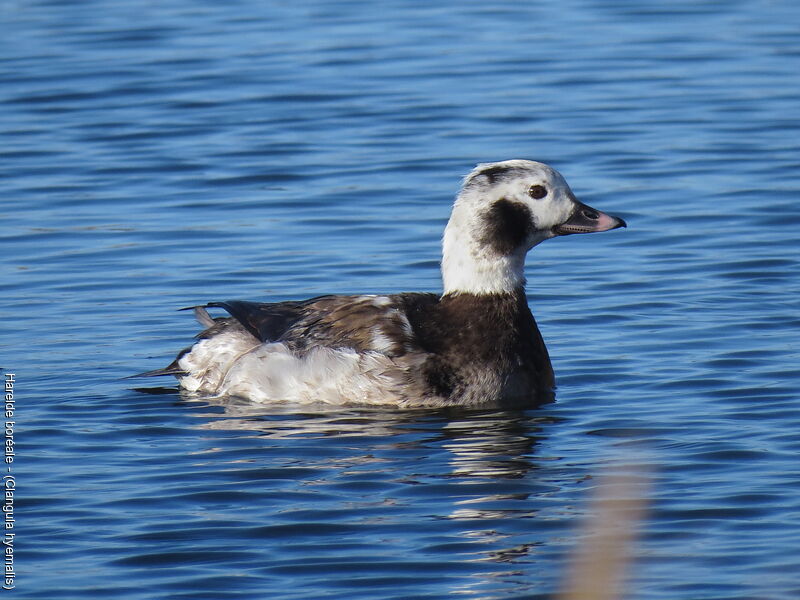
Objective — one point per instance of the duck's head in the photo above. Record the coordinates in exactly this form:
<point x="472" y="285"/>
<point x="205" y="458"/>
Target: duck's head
<point x="503" y="210"/>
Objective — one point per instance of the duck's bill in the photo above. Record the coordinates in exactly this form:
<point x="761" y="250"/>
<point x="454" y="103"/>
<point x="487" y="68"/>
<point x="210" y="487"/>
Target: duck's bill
<point x="586" y="219"/>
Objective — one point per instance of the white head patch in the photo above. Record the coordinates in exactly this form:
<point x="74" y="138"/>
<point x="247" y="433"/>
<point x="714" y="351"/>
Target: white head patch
<point x="503" y="210"/>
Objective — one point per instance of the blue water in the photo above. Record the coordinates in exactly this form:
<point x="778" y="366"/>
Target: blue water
<point x="155" y="155"/>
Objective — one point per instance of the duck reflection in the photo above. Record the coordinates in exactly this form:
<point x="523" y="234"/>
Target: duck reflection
<point x="463" y="481"/>
<point x="480" y="443"/>
<point x="470" y="448"/>
<point x="496" y="444"/>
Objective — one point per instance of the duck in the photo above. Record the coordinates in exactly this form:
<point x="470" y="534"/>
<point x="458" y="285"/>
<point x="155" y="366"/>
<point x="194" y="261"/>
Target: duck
<point x="476" y="344"/>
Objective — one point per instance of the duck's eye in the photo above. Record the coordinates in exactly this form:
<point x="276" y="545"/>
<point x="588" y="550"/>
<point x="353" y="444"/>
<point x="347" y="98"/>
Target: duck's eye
<point x="537" y="192"/>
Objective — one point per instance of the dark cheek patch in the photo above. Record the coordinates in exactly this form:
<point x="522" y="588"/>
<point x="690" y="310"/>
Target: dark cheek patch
<point x="507" y="226"/>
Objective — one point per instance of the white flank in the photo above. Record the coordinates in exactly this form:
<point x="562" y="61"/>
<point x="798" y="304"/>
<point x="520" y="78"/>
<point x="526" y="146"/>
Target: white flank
<point x="211" y="359"/>
<point x="270" y="372"/>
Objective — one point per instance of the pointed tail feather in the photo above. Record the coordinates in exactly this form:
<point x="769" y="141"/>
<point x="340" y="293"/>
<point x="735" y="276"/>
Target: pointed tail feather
<point x="172" y="369"/>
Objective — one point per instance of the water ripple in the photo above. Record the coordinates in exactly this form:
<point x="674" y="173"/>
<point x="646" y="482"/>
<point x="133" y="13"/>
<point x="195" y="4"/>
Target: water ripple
<point x="161" y="156"/>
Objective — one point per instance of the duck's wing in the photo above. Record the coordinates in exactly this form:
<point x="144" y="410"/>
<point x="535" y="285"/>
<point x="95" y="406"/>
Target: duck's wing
<point x="366" y="323"/>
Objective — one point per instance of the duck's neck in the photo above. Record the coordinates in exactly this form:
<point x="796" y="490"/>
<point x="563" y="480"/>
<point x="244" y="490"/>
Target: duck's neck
<point x="469" y="267"/>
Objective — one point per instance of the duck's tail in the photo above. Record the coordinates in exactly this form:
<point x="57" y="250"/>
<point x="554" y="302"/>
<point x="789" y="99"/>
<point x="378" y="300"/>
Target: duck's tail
<point x="205" y="320"/>
<point x="172" y="369"/>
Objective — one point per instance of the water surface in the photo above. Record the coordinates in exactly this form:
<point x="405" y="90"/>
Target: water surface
<point x="159" y="155"/>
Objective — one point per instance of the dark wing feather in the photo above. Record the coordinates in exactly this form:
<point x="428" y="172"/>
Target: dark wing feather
<point x="266" y="321"/>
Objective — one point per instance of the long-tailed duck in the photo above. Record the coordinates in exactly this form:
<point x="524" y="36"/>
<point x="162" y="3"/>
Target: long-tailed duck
<point x="476" y="344"/>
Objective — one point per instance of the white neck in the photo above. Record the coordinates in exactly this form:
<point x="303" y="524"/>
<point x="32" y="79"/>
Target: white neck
<point x="468" y="267"/>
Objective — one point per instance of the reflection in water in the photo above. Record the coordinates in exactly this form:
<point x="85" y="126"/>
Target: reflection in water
<point x="494" y="444"/>
<point x="476" y="470"/>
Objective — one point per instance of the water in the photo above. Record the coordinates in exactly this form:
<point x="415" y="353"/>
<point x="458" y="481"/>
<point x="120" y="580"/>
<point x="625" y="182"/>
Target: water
<point x="158" y="155"/>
